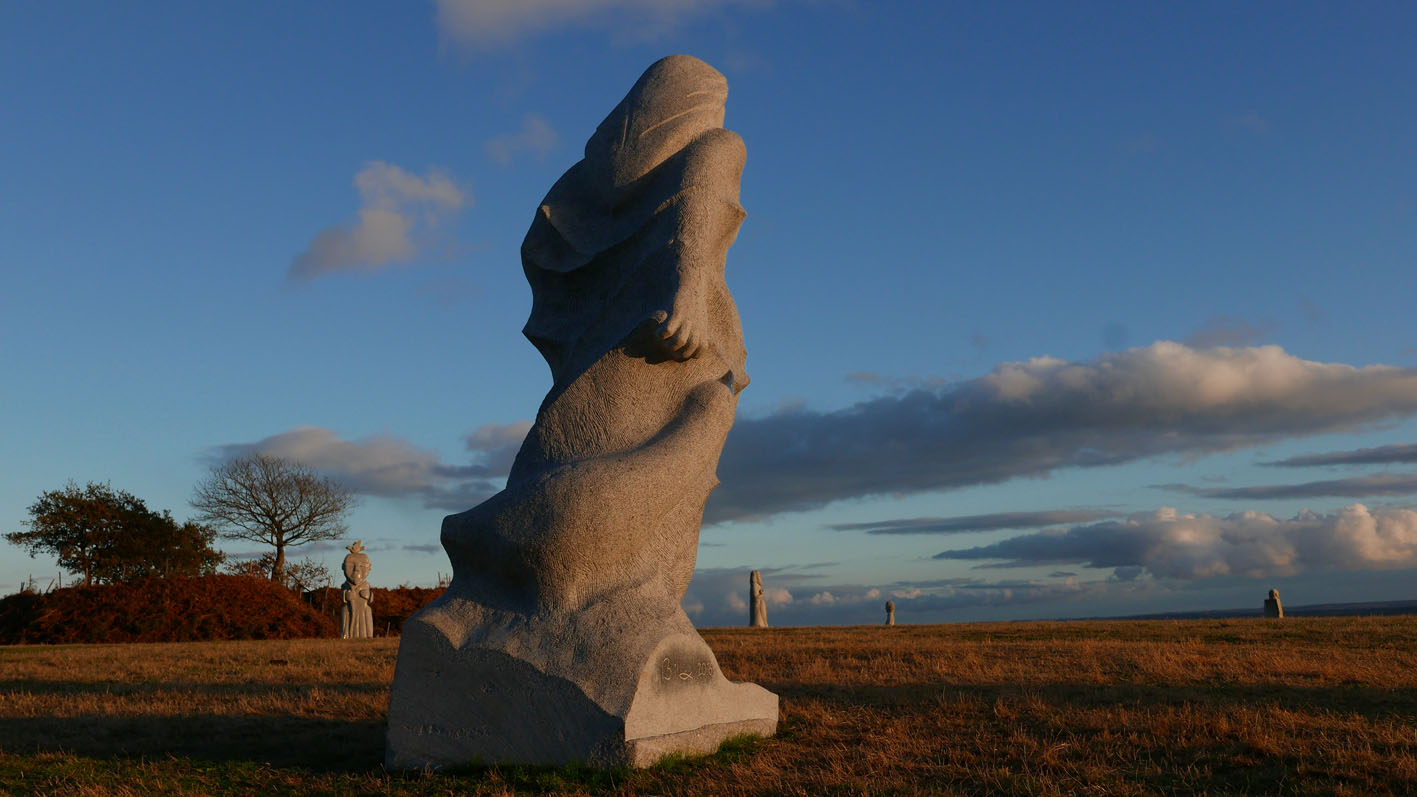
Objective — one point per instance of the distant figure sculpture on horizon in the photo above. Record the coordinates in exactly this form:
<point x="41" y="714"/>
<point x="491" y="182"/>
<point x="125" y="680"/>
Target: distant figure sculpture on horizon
<point x="356" y="619"/>
<point x="757" y="607"/>
<point x="1272" y="607"/>
<point x="890" y="612"/>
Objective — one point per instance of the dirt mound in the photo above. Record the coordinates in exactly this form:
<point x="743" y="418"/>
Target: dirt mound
<point x="173" y="609"/>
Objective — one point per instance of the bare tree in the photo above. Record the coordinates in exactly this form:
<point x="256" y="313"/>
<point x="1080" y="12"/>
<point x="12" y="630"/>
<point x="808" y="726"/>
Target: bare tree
<point x="273" y="501"/>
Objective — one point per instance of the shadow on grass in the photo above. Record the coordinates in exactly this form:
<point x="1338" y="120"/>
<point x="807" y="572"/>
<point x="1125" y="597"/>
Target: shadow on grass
<point x="285" y="741"/>
<point x="578" y="777"/>
<point x="77" y="688"/>
<point x="318" y="745"/>
<point x="1371" y="702"/>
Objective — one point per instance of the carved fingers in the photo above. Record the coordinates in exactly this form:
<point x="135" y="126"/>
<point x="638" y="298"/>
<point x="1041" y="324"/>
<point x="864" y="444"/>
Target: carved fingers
<point x="677" y="336"/>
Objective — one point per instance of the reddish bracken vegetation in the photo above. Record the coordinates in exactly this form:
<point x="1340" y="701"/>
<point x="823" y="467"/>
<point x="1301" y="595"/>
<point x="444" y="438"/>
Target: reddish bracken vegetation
<point x="391" y="606"/>
<point x="173" y="609"/>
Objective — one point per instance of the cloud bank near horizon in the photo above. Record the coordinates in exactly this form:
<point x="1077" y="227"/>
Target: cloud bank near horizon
<point x="717" y="596"/>
<point x="1169" y="544"/>
<point x="1023" y="419"/>
<point x="1028" y="419"/>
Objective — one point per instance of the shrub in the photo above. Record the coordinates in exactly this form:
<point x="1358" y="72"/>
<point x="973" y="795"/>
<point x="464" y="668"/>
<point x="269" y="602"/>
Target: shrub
<point x="173" y="609"/>
<point x="390" y="606"/>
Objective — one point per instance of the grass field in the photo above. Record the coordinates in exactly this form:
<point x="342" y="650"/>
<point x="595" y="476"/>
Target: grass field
<point x="1302" y="706"/>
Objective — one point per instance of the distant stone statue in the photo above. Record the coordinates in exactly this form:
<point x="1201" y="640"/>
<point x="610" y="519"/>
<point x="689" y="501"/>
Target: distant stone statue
<point x="757" y="607"/>
<point x="561" y="637"/>
<point x="1272" y="607"/>
<point x="890" y="612"/>
<point x="356" y="618"/>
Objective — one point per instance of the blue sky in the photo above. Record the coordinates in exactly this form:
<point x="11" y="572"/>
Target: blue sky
<point x="1035" y="294"/>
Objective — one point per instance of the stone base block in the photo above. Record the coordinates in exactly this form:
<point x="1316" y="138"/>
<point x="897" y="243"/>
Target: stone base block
<point x="499" y="700"/>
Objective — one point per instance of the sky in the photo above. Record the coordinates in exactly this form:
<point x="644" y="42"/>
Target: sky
<point x="1052" y="310"/>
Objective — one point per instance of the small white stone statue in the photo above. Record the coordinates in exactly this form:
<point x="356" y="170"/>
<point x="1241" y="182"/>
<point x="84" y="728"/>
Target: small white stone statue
<point x="356" y="619"/>
<point x="890" y="612"/>
<point x="757" y="607"/>
<point x="1272" y="606"/>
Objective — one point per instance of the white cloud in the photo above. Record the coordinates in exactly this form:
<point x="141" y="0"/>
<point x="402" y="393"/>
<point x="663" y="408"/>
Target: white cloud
<point x="1170" y="544"/>
<point x="535" y="137"/>
<point x="497" y="444"/>
<point x="391" y="467"/>
<point x="494" y="23"/>
<point x="395" y="208"/>
<point x="1030" y="418"/>
<point x="378" y="465"/>
<point x="777" y="596"/>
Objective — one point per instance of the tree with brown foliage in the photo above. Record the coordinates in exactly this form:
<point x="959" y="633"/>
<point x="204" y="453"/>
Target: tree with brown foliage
<point x="112" y="536"/>
<point x="273" y="501"/>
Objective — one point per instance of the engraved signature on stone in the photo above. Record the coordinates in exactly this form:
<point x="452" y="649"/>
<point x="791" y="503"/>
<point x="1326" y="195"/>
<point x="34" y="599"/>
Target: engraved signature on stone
<point x="669" y="670"/>
<point x="456" y="733"/>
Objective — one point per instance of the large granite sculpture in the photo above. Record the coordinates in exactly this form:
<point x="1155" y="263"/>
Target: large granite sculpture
<point x="561" y="636"/>
<point x="890" y="612"/>
<point x="757" y="607"/>
<point x="356" y="617"/>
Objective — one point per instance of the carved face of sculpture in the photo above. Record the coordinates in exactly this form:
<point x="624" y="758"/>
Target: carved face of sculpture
<point x="357" y="567"/>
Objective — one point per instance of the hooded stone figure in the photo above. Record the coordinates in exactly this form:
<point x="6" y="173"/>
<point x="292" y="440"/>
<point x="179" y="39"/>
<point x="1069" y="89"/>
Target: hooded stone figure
<point x="637" y="231"/>
<point x="757" y="606"/>
<point x="625" y="258"/>
<point x="563" y="615"/>
<point x="1272" y="606"/>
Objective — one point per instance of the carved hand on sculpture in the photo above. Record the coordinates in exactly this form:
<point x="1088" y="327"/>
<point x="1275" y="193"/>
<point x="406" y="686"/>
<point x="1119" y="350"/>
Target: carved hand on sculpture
<point x="681" y="335"/>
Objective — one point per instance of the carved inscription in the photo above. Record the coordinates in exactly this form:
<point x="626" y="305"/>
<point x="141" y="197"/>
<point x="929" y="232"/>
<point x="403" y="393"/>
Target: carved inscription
<point x="673" y="670"/>
<point x="469" y="732"/>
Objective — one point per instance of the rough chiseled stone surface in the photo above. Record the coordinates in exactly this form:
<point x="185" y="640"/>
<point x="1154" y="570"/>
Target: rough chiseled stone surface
<point x="561" y="636"/>
<point x="757" y="607"/>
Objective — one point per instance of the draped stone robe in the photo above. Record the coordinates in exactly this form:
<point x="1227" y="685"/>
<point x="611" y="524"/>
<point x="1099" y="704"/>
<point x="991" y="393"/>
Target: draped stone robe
<point x="576" y="570"/>
<point x="608" y="488"/>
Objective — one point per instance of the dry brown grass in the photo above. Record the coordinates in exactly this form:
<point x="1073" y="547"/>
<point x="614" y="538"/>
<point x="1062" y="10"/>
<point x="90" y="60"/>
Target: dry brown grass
<point x="1321" y="705"/>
